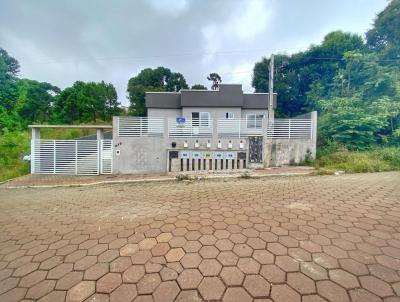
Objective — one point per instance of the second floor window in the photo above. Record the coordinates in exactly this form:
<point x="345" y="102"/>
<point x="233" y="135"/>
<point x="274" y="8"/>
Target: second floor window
<point x="229" y="115"/>
<point x="254" y="120"/>
<point x="201" y="119"/>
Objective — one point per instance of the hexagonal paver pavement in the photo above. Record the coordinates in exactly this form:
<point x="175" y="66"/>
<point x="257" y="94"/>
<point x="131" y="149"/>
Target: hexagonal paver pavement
<point x="309" y="239"/>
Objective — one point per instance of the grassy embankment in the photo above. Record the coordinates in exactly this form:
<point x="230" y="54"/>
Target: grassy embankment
<point x="377" y="159"/>
<point x="14" y="145"/>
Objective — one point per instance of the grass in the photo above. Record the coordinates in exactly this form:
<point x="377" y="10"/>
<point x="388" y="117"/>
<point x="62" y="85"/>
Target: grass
<point x="14" y="145"/>
<point x="377" y="159"/>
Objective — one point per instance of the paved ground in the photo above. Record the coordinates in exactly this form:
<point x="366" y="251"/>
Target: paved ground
<point x="66" y="180"/>
<point x="303" y="238"/>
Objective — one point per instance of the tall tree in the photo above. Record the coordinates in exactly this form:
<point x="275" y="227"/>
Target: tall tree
<point x="215" y="79"/>
<point x="35" y="100"/>
<point x="385" y="34"/>
<point x="158" y="79"/>
<point x="86" y="102"/>
<point x="9" y="68"/>
<point x="295" y="74"/>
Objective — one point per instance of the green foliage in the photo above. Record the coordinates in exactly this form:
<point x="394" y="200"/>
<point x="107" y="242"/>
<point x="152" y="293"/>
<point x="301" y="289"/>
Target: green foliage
<point x="86" y="102"/>
<point x="346" y="121"/>
<point x="297" y="74"/>
<point x="308" y="158"/>
<point x="13" y="145"/>
<point x="385" y="35"/>
<point x="158" y="79"/>
<point x="199" y="87"/>
<point x="375" y="160"/>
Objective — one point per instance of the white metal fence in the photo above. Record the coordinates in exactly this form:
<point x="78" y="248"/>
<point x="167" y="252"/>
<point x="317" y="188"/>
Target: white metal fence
<point x="297" y="128"/>
<point x="140" y="126"/>
<point x="71" y="157"/>
<point x="290" y="129"/>
<point x="191" y="128"/>
<point x="237" y="128"/>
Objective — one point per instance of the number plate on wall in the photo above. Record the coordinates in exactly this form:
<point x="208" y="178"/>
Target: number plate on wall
<point x="184" y="154"/>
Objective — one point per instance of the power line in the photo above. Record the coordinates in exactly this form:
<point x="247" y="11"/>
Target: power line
<point x="188" y="54"/>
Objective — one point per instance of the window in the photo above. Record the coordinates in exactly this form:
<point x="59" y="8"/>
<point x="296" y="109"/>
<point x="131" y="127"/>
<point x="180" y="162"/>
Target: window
<point x="229" y="115"/>
<point x="201" y="119"/>
<point x="254" y="120"/>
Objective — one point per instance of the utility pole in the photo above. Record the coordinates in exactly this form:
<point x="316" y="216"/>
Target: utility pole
<point x="271" y="94"/>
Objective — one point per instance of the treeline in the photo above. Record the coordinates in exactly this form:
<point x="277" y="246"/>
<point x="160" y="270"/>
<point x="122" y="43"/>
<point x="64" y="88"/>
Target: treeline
<point x="24" y="101"/>
<point x="353" y="83"/>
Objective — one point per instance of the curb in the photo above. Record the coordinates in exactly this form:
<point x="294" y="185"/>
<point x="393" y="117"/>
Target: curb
<point x="127" y="181"/>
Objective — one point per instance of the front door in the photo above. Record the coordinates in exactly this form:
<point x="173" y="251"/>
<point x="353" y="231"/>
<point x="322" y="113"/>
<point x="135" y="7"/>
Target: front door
<point x="255" y="149"/>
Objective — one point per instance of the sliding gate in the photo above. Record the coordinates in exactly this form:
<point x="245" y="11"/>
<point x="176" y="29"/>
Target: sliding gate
<point x="71" y="157"/>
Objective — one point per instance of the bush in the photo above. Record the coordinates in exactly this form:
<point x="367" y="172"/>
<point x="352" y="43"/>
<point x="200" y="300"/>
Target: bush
<point x="13" y="146"/>
<point x="375" y="160"/>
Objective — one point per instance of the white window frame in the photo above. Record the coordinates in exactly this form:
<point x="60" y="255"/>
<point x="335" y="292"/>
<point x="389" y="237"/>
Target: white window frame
<point x="254" y="120"/>
<point x="203" y="120"/>
<point x="229" y="116"/>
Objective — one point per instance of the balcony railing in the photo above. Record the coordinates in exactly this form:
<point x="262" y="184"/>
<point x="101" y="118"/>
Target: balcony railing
<point x="140" y="126"/>
<point x="190" y="128"/>
<point x="238" y="128"/>
<point x="221" y="128"/>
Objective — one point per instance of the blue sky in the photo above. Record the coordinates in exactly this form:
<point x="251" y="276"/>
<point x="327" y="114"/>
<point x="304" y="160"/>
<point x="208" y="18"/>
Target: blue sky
<point x="63" y="41"/>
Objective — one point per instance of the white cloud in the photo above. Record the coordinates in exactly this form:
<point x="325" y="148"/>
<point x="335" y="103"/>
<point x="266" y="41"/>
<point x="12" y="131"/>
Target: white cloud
<point x="63" y="41"/>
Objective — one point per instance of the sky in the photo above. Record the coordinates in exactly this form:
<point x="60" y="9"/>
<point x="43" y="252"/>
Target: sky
<point x="63" y="41"/>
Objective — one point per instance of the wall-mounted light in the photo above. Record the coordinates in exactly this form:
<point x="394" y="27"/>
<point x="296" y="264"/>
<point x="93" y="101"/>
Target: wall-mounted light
<point x="219" y="145"/>
<point x="208" y="144"/>
<point x="185" y="144"/>
<point x="230" y="145"/>
<point x="241" y="145"/>
<point x="196" y="144"/>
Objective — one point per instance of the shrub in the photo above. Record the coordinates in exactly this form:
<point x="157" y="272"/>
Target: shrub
<point x="375" y="160"/>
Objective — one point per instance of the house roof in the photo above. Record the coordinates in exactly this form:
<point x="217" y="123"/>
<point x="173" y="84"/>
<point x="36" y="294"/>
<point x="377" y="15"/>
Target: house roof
<point x="228" y="95"/>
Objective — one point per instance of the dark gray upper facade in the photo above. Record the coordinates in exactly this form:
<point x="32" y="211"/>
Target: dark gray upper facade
<point x="228" y="95"/>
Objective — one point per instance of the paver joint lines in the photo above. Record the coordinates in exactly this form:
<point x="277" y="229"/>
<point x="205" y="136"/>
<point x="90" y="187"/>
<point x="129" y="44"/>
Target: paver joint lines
<point x="306" y="238"/>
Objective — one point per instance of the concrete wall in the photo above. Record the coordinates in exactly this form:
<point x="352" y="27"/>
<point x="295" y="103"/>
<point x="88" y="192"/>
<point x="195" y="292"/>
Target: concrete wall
<point x="282" y="152"/>
<point x="245" y="112"/>
<point x="168" y="113"/>
<point x="215" y="113"/>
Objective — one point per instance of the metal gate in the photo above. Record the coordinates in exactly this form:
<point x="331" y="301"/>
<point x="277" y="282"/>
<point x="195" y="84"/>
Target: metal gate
<point x="255" y="149"/>
<point x="71" y="157"/>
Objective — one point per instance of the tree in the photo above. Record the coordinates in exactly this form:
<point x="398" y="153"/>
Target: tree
<point x="296" y="73"/>
<point x="9" y="68"/>
<point x="199" y="87"/>
<point x="158" y="79"/>
<point x="385" y="34"/>
<point x="35" y="100"/>
<point x="216" y="79"/>
<point x="86" y="102"/>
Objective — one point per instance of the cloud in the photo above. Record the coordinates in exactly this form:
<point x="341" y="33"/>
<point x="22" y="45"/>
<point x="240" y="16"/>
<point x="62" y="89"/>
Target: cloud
<point x="63" y="41"/>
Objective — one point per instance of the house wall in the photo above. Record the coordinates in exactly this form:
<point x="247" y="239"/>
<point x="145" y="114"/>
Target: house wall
<point x="215" y="113"/>
<point x="245" y="112"/>
<point x="161" y="112"/>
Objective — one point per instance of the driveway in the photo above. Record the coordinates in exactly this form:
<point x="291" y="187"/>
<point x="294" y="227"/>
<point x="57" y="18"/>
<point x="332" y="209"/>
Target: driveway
<point x="302" y="238"/>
